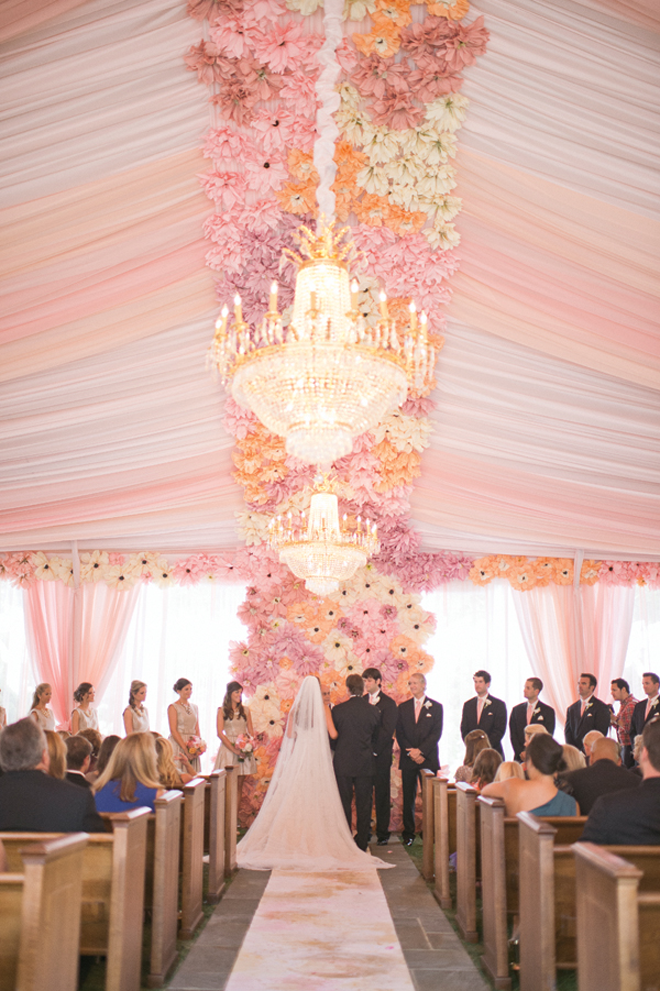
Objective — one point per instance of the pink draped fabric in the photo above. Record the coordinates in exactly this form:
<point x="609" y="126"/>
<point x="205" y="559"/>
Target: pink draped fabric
<point x="567" y="630"/>
<point x="76" y="635"/>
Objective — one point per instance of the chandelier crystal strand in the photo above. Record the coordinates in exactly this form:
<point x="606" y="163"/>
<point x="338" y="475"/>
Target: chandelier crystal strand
<point x="321" y="550"/>
<point x="327" y="130"/>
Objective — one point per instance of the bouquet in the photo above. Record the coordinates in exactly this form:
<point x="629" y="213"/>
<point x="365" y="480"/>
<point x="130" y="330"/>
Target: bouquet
<point x="245" y="746"/>
<point x="195" y="746"/>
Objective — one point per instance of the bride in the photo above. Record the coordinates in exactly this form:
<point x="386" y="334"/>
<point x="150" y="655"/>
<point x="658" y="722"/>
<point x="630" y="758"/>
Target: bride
<point x="301" y="824"/>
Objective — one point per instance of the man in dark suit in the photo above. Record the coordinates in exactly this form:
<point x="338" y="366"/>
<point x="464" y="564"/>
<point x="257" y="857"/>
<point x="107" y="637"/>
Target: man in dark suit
<point x="604" y="775"/>
<point x="631" y="816"/>
<point x="78" y="759"/>
<point x="418" y="729"/>
<point x="357" y="725"/>
<point x="645" y="711"/>
<point x="527" y="713"/>
<point x="484" y="712"/>
<point x="32" y="801"/>
<point x="384" y="746"/>
<point x="586" y="714"/>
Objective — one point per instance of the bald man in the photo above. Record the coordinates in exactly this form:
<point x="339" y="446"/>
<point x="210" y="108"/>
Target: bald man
<point x="605" y="774"/>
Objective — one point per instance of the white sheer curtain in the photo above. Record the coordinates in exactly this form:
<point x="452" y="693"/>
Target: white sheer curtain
<point x="17" y="678"/>
<point x="177" y="632"/>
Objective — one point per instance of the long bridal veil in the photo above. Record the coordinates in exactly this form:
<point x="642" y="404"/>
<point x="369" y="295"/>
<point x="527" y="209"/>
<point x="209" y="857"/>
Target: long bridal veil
<point x="301" y="824"/>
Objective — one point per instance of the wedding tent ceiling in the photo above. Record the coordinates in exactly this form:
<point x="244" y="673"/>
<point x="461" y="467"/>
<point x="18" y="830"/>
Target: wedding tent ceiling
<point x="547" y="426"/>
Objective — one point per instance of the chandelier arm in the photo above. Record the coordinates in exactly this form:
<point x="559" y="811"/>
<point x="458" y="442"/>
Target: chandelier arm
<point x="327" y="130"/>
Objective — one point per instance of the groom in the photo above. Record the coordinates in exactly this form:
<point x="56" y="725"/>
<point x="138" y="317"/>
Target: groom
<point x="357" y="724"/>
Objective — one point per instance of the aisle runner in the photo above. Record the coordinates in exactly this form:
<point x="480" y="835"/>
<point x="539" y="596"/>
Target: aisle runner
<point x="321" y="932"/>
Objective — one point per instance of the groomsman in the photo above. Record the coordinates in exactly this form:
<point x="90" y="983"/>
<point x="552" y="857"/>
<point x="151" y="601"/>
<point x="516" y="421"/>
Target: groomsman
<point x="587" y="714"/>
<point x="418" y="729"/>
<point x="527" y="713"/>
<point x="649" y="707"/>
<point x="484" y="712"/>
<point x="357" y="725"/>
<point x="383" y="750"/>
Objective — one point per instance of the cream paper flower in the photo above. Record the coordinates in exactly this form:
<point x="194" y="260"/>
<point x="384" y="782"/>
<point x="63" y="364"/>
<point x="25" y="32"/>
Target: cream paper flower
<point x="304" y="7"/>
<point x="438" y="182"/>
<point x="43" y="567"/>
<point x="382" y="145"/>
<point x="442" y="236"/>
<point x="144" y="564"/>
<point x="447" y="207"/>
<point x="119" y="577"/>
<point x="93" y="565"/>
<point x="357" y="10"/>
<point x="253" y="527"/>
<point x="353" y="125"/>
<point x="349" y="97"/>
<point x="447" y="113"/>
<point x="374" y="179"/>
<point x="405" y="433"/>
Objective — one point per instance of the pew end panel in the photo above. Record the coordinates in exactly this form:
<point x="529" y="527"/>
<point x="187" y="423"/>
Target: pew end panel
<point x="214" y="803"/>
<point x="466" y="861"/>
<point x="428" y="830"/>
<point x="441" y="891"/>
<point x="126" y="916"/>
<point x="165" y="829"/>
<point x="11" y="906"/>
<point x="192" y="834"/>
<point x="495" y="958"/>
<point x="231" y="819"/>
<point x="536" y="903"/>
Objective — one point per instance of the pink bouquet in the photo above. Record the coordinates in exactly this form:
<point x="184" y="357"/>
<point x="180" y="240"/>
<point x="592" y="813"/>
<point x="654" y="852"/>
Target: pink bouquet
<point x="245" y="745"/>
<point x="195" y="746"/>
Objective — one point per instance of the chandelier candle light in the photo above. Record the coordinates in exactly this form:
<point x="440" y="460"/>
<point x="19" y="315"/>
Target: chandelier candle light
<point x="320" y="549"/>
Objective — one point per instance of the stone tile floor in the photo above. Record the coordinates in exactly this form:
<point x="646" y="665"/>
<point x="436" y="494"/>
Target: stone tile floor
<point x="433" y="952"/>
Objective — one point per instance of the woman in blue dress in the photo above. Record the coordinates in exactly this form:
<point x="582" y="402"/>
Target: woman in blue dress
<point x="130" y="781"/>
<point x="538" y="795"/>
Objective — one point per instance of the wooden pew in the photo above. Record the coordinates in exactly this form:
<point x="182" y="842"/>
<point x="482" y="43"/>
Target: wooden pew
<point x="501" y="869"/>
<point x="618" y="918"/>
<point x="441" y="891"/>
<point x="112" y="902"/>
<point x="231" y="819"/>
<point x="192" y="856"/>
<point x="162" y="884"/>
<point x="548" y="901"/>
<point x="466" y="861"/>
<point x="40" y="916"/>
<point x="214" y="832"/>
<point x="428" y="829"/>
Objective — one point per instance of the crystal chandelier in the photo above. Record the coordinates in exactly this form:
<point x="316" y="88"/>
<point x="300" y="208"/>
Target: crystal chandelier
<point x="320" y="549"/>
<point x="329" y="375"/>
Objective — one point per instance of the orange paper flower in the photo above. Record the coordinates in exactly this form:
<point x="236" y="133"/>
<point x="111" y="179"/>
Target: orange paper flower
<point x="383" y="39"/>
<point x="453" y="11"/>
<point x="298" y="198"/>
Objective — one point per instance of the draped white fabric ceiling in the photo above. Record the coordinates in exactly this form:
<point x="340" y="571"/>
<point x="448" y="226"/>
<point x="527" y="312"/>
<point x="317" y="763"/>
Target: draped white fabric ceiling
<point x="547" y="425"/>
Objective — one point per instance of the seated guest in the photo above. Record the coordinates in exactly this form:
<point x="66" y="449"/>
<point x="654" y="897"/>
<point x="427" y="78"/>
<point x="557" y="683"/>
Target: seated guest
<point x="589" y="741"/>
<point x="529" y="732"/>
<point x="168" y="775"/>
<point x="108" y="745"/>
<point x="631" y="816"/>
<point x="485" y="768"/>
<point x="78" y="757"/>
<point x="130" y="781"/>
<point x="56" y="755"/>
<point x="475" y="742"/>
<point x="32" y="801"/>
<point x="96" y="740"/>
<point x="604" y="775"/>
<point x="509" y="769"/>
<point x="573" y="758"/>
<point x="539" y="794"/>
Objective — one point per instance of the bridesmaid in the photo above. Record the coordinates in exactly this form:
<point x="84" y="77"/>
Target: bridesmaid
<point x="183" y="718"/>
<point x="84" y="717"/>
<point x="42" y="715"/>
<point x="136" y="717"/>
<point x="234" y="720"/>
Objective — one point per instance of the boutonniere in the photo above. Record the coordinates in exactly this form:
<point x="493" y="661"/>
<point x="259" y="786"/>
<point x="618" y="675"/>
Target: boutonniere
<point x="588" y="706"/>
<point x="536" y="712"/>
<point x="486" y="703"/>
<point x="654" y="703"/>
<point x="427" y="705"/>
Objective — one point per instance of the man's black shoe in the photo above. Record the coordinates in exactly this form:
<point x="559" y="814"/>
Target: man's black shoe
<point x="383" y="842"/>
<point x="408" y="841"/>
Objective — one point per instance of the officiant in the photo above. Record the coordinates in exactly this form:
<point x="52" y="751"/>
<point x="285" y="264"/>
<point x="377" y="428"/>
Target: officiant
<point x="357" y="725"/>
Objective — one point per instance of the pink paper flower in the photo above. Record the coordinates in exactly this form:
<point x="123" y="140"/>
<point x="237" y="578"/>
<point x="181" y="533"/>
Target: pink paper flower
<point x="465" y="43"/>
<point x="299" y="92"/>
<point x="227" y="189"/>
<point x="230" y="36"/>
<point x="210" y="9"/>
<point x="203" y="59"/>
<point x="263" y="175"/>
<point x="286" y="46"/>
<point x="373" y="76"/>
<point x="396" y="110"/>
<point x="224" y="144"/>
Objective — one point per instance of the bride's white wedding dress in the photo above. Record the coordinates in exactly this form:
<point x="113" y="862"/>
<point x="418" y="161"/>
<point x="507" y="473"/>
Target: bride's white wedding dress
<point x="301" y="824"/>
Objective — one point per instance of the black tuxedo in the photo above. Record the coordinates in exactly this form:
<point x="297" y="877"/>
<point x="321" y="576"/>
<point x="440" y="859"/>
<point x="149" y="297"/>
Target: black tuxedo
<point x="383" y="771"/>
<point x="601" y="778"/>
<point x="78" y="779"/>
<point x="357" y="723"/>
<point x="32" y="801"/>
<point x="492" y="722"/>
<point x="626" y="817"/>
<point x="639" y="720"/>
<point x="424" y="736"/>
<point x="518" y="721"/>
<point x="596" y="716"/>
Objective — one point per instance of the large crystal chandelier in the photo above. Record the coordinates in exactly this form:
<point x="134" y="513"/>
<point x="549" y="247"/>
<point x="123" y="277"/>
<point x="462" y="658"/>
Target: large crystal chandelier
<point x="319" y="548"/>
<point x="330" y="375"/>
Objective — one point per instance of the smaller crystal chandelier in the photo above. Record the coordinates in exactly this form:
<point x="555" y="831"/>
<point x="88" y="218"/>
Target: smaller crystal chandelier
<point x="320" y="549"/>
<point x="330" y="375"/>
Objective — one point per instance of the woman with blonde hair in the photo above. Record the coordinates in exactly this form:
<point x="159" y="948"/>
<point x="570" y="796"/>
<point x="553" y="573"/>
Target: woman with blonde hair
<point x="573" y="758"/>
<point x="130" y="781"/>
<point x="475" y="742"/>
<point x="56" y="755"/>
<point x="509" y="769"/>
<point x="84" y="717"/>
<point x="168" y="774"/>
<point x="39" y="711"/>
<point x="136" y="717"/>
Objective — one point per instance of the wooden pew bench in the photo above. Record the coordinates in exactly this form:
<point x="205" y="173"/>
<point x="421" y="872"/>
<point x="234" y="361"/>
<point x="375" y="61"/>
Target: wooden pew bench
<point x="500" y="882"/>
<point x="161" y="890"/>
<point x="444" y="804"/>
<point x="192" y="856"/>
<point x="40" y="907"/>
<point x="112" y="902"/>
<point x="231" y="819"/>
<point x="428" y="827"/>
<point x="467" y="860"/>
<point x="214" y="832"/>
<point x="618" y="917"/>
<point x="548" y="901"/>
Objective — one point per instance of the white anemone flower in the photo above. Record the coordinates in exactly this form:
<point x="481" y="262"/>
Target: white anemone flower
<point x="447" y="113"/>
<point x="374" y="180"/>
<point x="442" y="236"/>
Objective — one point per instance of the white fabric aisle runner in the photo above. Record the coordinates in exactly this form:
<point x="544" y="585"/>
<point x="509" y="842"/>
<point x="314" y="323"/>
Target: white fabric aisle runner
<point x="321" y="932"/>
